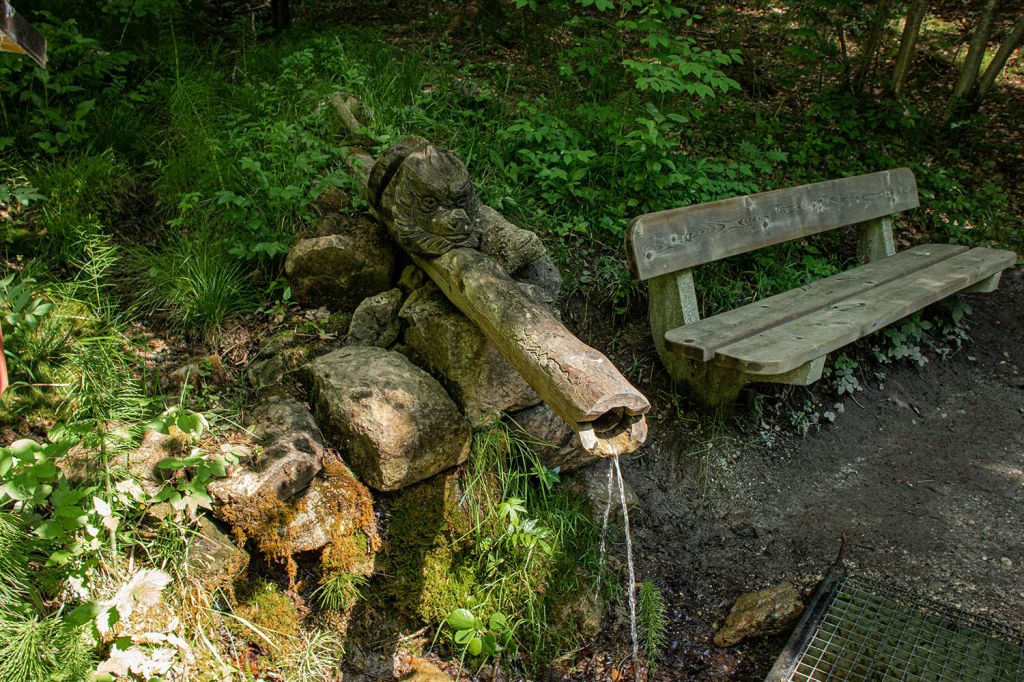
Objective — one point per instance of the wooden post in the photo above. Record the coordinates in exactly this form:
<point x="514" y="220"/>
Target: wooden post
<point x="422" y="194"/>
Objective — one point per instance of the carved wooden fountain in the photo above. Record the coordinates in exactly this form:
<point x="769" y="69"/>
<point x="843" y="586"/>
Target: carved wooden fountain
<point x="423" y="194"/>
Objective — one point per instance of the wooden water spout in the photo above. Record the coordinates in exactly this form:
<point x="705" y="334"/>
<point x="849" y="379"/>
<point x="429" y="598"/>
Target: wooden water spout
<point x="423" y="195"/>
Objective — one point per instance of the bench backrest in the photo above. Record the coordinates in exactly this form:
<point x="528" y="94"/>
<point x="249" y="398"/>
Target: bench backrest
<point x="680" y="238"/>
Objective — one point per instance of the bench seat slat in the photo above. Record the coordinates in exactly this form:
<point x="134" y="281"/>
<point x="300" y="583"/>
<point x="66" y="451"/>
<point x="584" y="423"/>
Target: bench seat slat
<point x="793" y="343"/>
<point x="702" y="339"/>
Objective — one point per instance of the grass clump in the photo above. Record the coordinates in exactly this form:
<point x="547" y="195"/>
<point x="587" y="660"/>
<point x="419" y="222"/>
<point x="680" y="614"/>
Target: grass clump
<point x="192" y="284"/>
<point x="340" y="591"/>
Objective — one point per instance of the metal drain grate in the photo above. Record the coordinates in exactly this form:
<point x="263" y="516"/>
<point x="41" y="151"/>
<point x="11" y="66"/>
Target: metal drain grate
<point x="859" y="630"/>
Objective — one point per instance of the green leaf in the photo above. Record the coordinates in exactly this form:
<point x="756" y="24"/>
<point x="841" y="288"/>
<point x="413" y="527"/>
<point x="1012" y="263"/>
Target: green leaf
<point x="475" y="646"/>
<point x="24" y="448"/>
<point x="50" y="530"/>
<point x="497" y="621"/>
<point x="80" y="615"/>
<point x="464" y="636"/>
<point x="490" y="644"/>
<point x="6" y="462"/>
<point x="45" y="470"/>
<point x="19" y="489"/>
<point x="174" y="463"/>
<point x="461" y="619"/>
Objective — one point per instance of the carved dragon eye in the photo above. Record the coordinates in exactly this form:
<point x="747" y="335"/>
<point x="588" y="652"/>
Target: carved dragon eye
<point x="428" y="204"/>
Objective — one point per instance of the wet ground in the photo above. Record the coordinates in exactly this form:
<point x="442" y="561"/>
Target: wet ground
<point x="922" y="473"/>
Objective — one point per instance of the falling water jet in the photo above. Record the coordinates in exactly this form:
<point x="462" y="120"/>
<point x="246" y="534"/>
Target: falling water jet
<point x="632" y="573"/>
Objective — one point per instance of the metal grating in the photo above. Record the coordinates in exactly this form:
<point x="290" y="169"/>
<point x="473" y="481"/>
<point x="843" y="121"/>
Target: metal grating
<point x="859" y="630"/>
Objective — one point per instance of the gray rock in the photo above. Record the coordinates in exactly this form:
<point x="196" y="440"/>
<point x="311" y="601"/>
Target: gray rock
<point x="81" y="464"/>
<point x="375" y="321"/>
<point x="337" y="510"/>
<point x="412" y="278"/>
<point x="290" y="458"/>
<point x="444" y="341"/>
<point x="394" y="422"/>
<point x="550" y="437"/>
<point x="280" y="355"/>
<point x="592" y="481"/>
<point x="339" y="270"/>
<point x="765" y="612"/>
<point x="213" y="559"/>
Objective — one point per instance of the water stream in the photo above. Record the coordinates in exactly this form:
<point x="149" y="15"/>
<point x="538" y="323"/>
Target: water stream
<point x="615" y="472"/>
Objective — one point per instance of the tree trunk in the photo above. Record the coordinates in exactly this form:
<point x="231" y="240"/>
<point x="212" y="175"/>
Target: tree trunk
<point x="1011" y="43"/>
<point x="908" y="45"/>
<point x="975" y="54"/>
<point x="867" y="58"/>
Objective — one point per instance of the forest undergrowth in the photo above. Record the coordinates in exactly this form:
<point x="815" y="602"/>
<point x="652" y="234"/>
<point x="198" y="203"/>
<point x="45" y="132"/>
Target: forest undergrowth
<point x="155" y="173"/>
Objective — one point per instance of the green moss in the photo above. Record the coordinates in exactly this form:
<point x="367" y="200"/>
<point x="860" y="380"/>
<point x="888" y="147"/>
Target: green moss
<point x="270" y="610"/>
<point x="427" y="575"/>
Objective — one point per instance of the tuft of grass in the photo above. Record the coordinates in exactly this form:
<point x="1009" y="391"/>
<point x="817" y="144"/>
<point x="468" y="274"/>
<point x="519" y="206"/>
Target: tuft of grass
<point x="318" y="658"/>
<point x="340" y="591"/>
<point x="192" y="284"/>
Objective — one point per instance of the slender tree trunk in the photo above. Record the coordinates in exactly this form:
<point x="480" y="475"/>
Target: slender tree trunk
<point x="874" y="40"/>
<point x="1011" y="43"/>
<point x="975" y="53"/>
<point x="908" y="44"/>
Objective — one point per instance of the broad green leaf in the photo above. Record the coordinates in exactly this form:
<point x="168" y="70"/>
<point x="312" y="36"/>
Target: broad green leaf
<point x="19" y="489"/>
<point x="489" y="644"/>
<point x="461" y="619"/>
<point x="80" y="615"/>
<point x="25" y="447"/>
<point x="497" y="621"/>
<point x="463" y="636"/>
<point x="50" y="530"/>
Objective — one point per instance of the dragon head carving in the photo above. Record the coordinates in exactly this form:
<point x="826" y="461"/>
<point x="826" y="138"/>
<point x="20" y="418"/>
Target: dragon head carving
<point x="424" y="194"/>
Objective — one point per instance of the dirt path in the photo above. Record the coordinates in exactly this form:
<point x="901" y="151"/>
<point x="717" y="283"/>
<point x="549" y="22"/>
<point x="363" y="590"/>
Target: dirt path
<point x="925" y="477"/>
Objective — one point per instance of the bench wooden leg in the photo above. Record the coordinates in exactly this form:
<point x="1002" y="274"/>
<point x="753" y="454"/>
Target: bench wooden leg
<point x="673" y="302"/>
<point x="716" y="388"/>
<point x="985" y="286"/>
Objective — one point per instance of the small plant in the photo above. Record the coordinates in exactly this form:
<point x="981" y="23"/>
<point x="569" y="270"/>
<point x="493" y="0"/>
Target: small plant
<point x="317" y="658"/>
<point x="186" y="491"/>
<point x="340" y="591"/>
<point x="476" y="638"/>
<point x="651" y="618"/>
<point x="844" y="375"/>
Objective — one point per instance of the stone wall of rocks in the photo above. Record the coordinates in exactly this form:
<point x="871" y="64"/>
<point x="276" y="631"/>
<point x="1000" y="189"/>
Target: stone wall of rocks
<point x="397" y="397"/>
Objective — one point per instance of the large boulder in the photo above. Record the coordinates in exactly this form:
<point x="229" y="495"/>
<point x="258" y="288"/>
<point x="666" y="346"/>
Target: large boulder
<point x="393" y="421"/>
<point x="341" y="269"/>
<point x="448" y="344"/>
<point x="291" y="456"/>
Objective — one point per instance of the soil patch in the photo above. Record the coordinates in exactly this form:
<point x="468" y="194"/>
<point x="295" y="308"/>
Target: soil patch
<point x="923" y="475"/>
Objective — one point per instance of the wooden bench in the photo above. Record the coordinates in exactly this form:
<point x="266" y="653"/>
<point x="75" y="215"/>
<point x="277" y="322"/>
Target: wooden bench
<point x="785" y="338"/>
